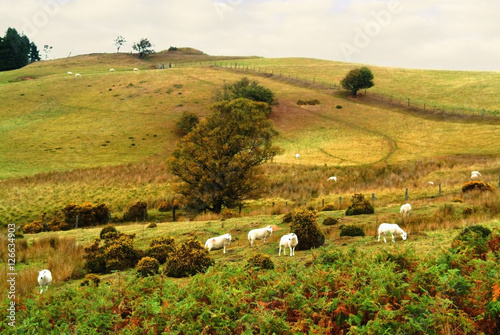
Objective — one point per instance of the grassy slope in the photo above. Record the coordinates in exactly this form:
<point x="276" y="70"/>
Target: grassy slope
<point x="109" y="120"/>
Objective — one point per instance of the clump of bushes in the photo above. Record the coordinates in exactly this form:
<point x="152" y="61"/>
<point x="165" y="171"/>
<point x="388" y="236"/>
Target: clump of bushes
<point x="359" y="205"/>
<point x="87" y="214"/>
<point x="137" y="212"/>
<point x="108" y="229"/>
<point x="34" y="227"/>
<point x="477" y="186"/>
<point x="338" y="107"/>
<point x="152" y="225"/>
<point x="472" y="241"/>
<point x="350" y="230"/>
<point x="91" y="279"/>
<point x="148" y="266"/>
<point x="54" y="223"/>
<point x="117" y="252"/>
<point x="304" y="224"/>
<point x="161" y="248"/>
<point x="189" y="259"/>
<point x="329" y="221"/>
<point x="308" y="102"/>
<point x="260" y="261"/>
<point x="287" y="218"/>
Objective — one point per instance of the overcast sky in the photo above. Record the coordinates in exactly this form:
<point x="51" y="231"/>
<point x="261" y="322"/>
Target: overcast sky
<point x="427" y="34"/>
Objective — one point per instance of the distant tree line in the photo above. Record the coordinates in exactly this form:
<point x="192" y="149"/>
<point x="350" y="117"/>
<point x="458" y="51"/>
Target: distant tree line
<point x="16" y="51"/>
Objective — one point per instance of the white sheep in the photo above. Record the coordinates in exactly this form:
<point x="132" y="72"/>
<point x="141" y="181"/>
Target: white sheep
<point x="431" y="183"/>
<point x="290" y="241"/>
<point x="333" y="178"/>
<point x="391" y="228"/>
<point x="44" y="279"/>
<point x="259" y="234"/>
<point x="218" y="242"/>
<point x="297" y="155"/>
<point x="69" y="72"/>
<point x="77" y="75"/>
<point x="405" y="209"/>
<point x="111" y="70"/>
<point x="136" y="69"/>
<point x="474" y="175"/>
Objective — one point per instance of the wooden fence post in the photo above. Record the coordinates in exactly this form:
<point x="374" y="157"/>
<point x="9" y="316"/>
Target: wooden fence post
<point x="406" y="194"/>
<point x="340" y="202"/>
<point x="439" y="189"/>
<point x="373" y="198"/>
<point x="173" y="213"/>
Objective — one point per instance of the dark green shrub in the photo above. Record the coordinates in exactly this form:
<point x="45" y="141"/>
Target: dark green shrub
<point x="108" y="229"/>
<point x="328" y="207"/>
<point x="472" y="241"/>
<point x="114" y="254"/>
<point x="91" y="279"/>
<point x="244" y="88"/>
<point x="477" y="186"/>
<point x="137" y="212"/>
<point x="148" y="266"/>
<point x="152" y="225"/>
<point x="359" y="205"/>
<point x="260" y="261"/>
<point x="329" y="221"/>
<point x="287" y="218"/>
<point x="351" y="231"/>
<point x="308" y="102"/>
<point x="161" y="248"/>
<point x="57" y="223"/>
<point x="305" y="226"/>
<point x="473" y="231"/>
<point x="187" y="122"/>
<point x="189" y="259"/>
<point x="338" y="107"/>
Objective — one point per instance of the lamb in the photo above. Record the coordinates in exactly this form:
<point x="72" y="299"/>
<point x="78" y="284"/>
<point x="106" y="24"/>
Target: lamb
<point x="259" y="234"/>
<point x="391" y="228"/>
<point x="405" y="209"/>
<point x="333" y="178"/>
<point x="44" y="279"/>
<point x="290" y="241"/>
<point x="218" y="242"/>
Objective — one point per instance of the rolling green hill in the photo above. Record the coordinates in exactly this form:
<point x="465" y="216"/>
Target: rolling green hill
<point x="104" y="124"/>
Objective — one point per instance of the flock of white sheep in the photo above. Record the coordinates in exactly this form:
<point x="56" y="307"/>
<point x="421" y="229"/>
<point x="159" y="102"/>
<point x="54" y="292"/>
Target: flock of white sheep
<point x="110" y="70"/>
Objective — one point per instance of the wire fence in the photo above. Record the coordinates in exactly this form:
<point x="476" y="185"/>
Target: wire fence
<point x="402" y="101"/>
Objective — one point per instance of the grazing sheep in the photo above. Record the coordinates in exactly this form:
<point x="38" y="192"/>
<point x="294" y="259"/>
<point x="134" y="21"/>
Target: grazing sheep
<point x="136" y="69"/>
<point x="77" y="75"/>
<point x="297" y="155"/>
<point x="69" y="72"/>
<point x="474" y="175"/>
<point x="391" y="228"/>
<point x="333" y="178"/>
<point x="111" y="70"/>
<point x="44" y="279"/>
<point x="405" y="209"/>
<point x="431" y="183"/>
<point x="259" y="234"/>
<point x="218" y="242"/>
<point x="290" y="241"/>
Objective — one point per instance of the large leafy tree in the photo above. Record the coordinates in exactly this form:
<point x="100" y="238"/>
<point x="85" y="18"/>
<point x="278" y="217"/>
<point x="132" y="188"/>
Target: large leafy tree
<point x="357" y="79"/>
<point x="244" y="88"/>
<point x="219" y="161"/>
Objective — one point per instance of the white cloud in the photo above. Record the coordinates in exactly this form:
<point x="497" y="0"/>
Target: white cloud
<point x="449" y="34"/>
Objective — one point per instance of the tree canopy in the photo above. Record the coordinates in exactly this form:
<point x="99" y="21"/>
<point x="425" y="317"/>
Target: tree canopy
<point x="357" y="79"/>
<point x="244" y="88"/>
<point x="16" y="51"/>
<point x="219" y="161"/>
<point x="143" y="47"/>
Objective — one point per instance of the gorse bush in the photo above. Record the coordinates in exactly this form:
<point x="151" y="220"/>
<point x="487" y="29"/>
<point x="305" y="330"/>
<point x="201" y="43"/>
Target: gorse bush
<point x="304" y="224"/>
<point x="329" y="221"/>
<point x="260" y="261"/>
<point x="328" y="207"/>
<point x="350" y="230"/>
<point x="359" y="205"/>
<point x="87" y="214"/>
<point x="148" y="266"/>
<point x="34" y="227"/>
<point x="91" y="279"/>
<point x="187" y="122"/>
<point x="108" y="229"/>
<point x="188" y="259"/>
<point x="477" y="186"/>
<point x="161" y="248"/>
<point x="136" y="212"/>
<point x="116" y="253"/>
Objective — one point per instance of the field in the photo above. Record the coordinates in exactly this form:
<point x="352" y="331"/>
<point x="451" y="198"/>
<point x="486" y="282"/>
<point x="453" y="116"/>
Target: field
<point x="104" y="138"/>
